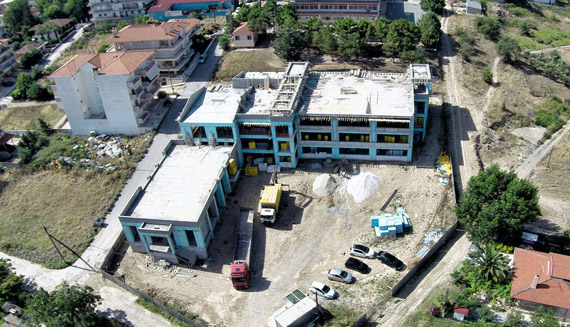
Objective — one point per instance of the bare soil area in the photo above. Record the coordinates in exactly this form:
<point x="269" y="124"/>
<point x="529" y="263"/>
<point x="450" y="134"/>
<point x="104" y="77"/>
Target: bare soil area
<point x="311" y="235"/>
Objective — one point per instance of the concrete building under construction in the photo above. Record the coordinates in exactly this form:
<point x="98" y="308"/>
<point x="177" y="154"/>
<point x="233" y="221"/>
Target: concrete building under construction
<point x="298" y="114"/>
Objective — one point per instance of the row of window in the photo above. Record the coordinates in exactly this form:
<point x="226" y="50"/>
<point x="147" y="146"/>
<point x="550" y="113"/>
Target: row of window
<point x="334" y="7"/>
<point x="355" y="151"/>
<point x="243" y="37"/>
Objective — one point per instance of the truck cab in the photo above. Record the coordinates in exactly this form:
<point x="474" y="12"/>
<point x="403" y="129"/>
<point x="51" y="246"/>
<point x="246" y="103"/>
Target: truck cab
<point x="240" y="275"/>
<point x="269" y="204"/>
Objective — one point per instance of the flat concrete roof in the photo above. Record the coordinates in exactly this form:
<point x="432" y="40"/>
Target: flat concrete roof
<point x="219" y="106"/>
<point x="341" y="94"/>
<point x="261" y="102"/>
<point x="262" y="75"/>
<point x="183" y="184"/>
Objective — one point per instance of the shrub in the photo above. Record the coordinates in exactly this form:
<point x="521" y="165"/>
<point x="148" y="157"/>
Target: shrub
<point x="489" y="27"/>
<point x="527" y="28"/>
<point x="487" y="75"/>
<point x="508" y="48"/>
<point x="434" y="310"/>
<point x="30" y="58"/>
<point x="224" y="42"/>
<point x="103" y="48"/>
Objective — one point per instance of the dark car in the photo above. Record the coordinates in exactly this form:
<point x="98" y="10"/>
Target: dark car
<point x="355" y="264"/>
<point x="390" y="260"/>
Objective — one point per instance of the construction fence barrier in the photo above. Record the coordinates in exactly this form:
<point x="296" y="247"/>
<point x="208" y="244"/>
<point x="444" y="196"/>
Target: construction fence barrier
<point x="138" y="293"/>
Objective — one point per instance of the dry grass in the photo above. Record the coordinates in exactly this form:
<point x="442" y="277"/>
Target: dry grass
<point x="86" y="44"/>
<point x="64" y="201"/>
<point x="27" y="117"/>
<point x="255" y="60"/>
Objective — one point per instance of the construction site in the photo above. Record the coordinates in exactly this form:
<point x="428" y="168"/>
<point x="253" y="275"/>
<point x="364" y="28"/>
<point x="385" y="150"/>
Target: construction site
<point x="266" y="230"/>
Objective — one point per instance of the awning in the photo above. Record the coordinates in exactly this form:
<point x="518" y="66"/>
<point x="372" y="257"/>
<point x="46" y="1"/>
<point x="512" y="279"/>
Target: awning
<point x="257" y="124"/>
<point x="391" y="120"/>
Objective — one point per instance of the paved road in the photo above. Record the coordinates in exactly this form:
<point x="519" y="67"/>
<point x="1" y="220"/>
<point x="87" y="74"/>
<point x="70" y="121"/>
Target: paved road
<point x="63" y="46"/>
<point x="117" y="302"/>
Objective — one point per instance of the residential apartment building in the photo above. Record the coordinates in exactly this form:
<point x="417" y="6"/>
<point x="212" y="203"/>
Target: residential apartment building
<point x="171" y="42"/>
<point x="7" y="59"/>
<point x="109" y="93"/>
<point x="173" y="217"/>
<point x="103" y="10"/>
<point x="298" y="114"/>
<point x="330" y="11"/>
<point x="164" y="10"/>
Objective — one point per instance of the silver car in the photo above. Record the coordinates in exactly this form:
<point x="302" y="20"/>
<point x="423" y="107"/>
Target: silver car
<point x="340" y="275"/>
<point x="322" y="290"/>
<point x="362" y="251"/>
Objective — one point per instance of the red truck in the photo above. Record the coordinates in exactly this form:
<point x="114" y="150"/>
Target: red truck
<point x="240" y="265"/>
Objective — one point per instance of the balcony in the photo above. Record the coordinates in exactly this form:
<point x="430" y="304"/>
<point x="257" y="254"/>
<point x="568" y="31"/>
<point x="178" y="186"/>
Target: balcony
<point x="134" y="83"/>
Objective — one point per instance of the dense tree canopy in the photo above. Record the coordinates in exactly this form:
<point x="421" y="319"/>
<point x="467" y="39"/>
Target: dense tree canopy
<point x="508" y="48"/>
<point x="11" y="285"/>
<point x="289" y="43"/>
<point x="430" y="27"/>
<point x="496" y="205"/>
<point x="435" y="6"/>
<point x="18" y="15"/>
<point x="402" y="36"/>
<point x="67" y="306"/>
<point x="489" y="27"/>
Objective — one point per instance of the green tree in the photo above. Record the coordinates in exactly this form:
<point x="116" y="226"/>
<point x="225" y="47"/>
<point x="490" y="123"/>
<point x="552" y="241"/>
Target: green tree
<point x="381" y="28"/>
<point x="196" y="15"/>
<point x="346" y="25"/>
<point x="224" y="41"/>
<point x="258" y="19"/>
<point x="285" y="15"/>
<point x="417" y="55"/>
<point x="18" y="14"/>
<point x="30" y="58"/>
<point x="11" y="285"/>
<point x="435" y="6"/>
<point x="67" y="306"/>
<point x="310" y="27"/>
<point x="30" y="143"/>
<point x="430" y="28"/>
<point x="509" y="49"/>
<point x="325" y="39"/>
<point x="53" y="11"/>
<point x="487" y="75"/>
<point x="491" y="263"/>
<point x="350" y="45"/>
<point x="496" y="204"/>
<point x="45" y="128"/>
<point x="364" y="28"/>
<point x="289" y="43"/>
<point x="402" y="36"/>
<point x="543" y="317"/>
<point x="243" y="14"/>
<point x="24" y="81"/>
<point x="513" y="320"/>
<point x="77" y="9"/>
<point x="489" y="27"/>
<point x="144" y="19"/>
<point x="122" y="24"/>
<point x="527" y="28"/>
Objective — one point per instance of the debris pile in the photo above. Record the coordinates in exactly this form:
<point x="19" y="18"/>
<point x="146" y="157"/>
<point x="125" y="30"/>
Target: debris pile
<point x="324" y="185"/>
<point x="443" y="168"/>
<point x="362" y="186"/>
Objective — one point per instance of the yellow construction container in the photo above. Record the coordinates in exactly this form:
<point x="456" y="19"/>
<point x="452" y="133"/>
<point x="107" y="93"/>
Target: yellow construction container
<point x="389" y="138"/>
<point x="251" y="170"/>
<point x="404" y="138"/>
<point x="231" y="163"/>
<point x="285" y="146"/>
<point x="306" y="136"/>
<point x="319" y="137"/>
<point x="347" y="138"/>
<point x="326" y="137"/>
<point x="269" y="160"/>
<point x="361" y="138"/>
<point x="367" y="138"/>
<point x="232" y="170"/>
<point x="249" y="159"/>
<point x="251" y="145"/>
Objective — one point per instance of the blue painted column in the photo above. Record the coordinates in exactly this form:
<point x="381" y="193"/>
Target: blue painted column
<point x="199" y="236"/>
<point x="226" y="181"/>
<point x="209" y="224"/>
<point x="373" y="128"/>
<point x="171" y="244"/>
<point x="426" y="117"/>
<point x="275" y="145"/>
<point x="220" y="195"/>
<point x="145" y="243"/>
<point x="335" y="152"/>
<point x="335" y="133"/>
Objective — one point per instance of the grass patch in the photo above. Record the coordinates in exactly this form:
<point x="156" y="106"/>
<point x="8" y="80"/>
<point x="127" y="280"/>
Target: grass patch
<point x="342" y="316"/>
<point x="257" y="60"/>
<point x="155" y="309"/>
<point x="552" y="115"/>
<point x="65" y="201"/>
<point x="529" y="44"/>
<point x="552" y="36"/>
<point x="424" y="319"/>
<point x="27" y="117"/>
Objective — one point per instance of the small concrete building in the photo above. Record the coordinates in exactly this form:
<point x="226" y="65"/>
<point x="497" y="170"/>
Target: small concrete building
<point x="473" y="8"/>
<point x="244" y="37"/>
<point x="174" y="215"/>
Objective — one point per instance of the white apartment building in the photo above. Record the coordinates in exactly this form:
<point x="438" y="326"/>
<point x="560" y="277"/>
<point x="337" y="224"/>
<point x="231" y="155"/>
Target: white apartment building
<point x="102" y="10"/>
<point x="108" y="93"/>
<point x="170" y="40"/>
<point x="7" y="59"/>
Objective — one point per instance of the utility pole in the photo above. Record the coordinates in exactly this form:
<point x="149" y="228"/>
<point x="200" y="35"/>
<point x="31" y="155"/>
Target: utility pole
<point x="52" y="238"/>
<point x="55" y="246"/>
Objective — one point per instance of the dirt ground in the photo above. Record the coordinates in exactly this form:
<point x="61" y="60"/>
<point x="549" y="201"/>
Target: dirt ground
<point x="311" y="235"/>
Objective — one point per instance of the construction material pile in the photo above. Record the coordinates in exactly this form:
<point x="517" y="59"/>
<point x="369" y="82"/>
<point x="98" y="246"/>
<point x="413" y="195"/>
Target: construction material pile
<point x="324" y="185"/>
<point x="443" y="168"/>
<point x="362" y="186"/>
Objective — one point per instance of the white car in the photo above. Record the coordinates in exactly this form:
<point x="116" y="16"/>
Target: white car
<point x="362" y="251"/>
<point x="322" y="290"/>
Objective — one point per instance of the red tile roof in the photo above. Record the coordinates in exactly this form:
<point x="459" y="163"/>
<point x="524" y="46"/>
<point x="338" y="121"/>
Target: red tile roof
<point x="243" y="29"/>
<point x="461" y="311"/>
<point x="107" y="63"/>
<point x="553" y="273"/>
<point x="61" y="22"/>
<point x="153" y="32"/>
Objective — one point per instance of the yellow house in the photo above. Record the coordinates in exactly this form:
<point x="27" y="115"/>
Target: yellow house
<point x="243" y="37"/>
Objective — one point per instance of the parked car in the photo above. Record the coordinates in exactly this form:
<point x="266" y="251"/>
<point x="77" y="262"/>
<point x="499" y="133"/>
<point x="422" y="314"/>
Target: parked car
<point x="362" y="251"/>
<point x="355" y="264"/>
<point x="203" y="58"/>
<point x="340" y="275"/>
<point x="390" y="260"/>
<point x="322" y="290"/>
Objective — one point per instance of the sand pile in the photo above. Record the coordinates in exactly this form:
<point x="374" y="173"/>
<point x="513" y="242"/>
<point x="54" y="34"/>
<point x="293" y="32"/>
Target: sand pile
<point x="362" y="186"/>
<point x="324" y="185"/>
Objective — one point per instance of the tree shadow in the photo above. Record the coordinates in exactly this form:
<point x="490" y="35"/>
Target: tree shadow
<point x="119" y="316"/>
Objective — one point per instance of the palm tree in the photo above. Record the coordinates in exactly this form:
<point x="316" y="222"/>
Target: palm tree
<point x="490" y="262"/>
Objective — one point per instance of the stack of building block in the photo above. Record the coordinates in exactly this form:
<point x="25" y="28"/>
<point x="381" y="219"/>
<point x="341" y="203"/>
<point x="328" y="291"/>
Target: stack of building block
<point x="390" y="225"/>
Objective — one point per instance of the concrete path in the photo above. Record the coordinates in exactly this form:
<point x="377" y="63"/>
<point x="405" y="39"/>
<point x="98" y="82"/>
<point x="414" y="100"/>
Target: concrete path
<point x="63" y="46"/>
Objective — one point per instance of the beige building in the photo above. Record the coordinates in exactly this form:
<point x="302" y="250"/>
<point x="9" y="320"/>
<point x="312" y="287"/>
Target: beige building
<point x="7" y="59"/>
<point x="109" y="93"/>
<point x="113" y="10"/>
<point x="171" y="42"/>
<point x="243" y="37"/>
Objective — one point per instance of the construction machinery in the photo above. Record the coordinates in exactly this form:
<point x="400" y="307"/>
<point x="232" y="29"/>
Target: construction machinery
<point x="240" y="265"/>
<point x="270" y="199"/>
